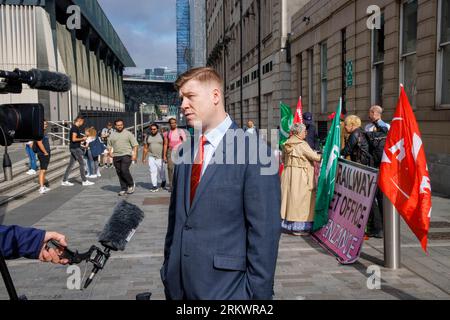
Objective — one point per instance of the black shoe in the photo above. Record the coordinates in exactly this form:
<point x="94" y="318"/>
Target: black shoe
<point x="154" y="189"/>
<point x="163" y="184"/>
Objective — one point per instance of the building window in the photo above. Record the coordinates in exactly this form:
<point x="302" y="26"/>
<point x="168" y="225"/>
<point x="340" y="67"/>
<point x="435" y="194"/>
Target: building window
<point x="377" y="63"/>
<point x="311" y="80"/>
<point x="408" y="58"/>
<point x="443" y="65"/>
<point x="299" y="75"/>
<point x="323" y="78"/>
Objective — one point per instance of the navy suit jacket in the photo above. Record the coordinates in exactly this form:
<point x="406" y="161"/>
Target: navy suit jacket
<point x="17" y="242"/>
<point x="225" y="245"/>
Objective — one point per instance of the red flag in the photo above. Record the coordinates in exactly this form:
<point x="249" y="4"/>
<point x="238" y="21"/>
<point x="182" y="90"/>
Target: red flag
<point x="404" y="176"/>
<point x="299" y="112"/>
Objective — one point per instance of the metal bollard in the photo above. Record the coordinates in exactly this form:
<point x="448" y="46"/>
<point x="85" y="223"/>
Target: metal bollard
<point x="391" y="226"/>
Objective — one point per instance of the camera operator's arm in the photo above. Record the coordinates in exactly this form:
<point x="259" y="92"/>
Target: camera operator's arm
<point x="18" y="242"/>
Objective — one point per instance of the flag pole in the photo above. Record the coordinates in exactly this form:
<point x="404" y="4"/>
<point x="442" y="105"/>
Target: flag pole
<point x="391" y="227"/>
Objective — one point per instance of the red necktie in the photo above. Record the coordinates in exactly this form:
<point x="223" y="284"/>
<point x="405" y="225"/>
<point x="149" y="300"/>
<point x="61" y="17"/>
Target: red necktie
<point x="196" y="173"/>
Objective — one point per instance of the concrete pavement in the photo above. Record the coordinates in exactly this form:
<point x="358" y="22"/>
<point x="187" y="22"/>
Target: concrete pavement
<point x="304" y="269"/>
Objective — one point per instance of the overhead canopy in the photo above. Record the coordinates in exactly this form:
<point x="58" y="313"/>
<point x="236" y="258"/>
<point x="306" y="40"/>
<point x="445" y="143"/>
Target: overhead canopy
<point x="95" y="16"/>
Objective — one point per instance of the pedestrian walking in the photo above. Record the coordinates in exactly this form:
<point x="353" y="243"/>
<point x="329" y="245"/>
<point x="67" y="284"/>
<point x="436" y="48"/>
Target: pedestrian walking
<point x="153" y="149"/>
<point x="172" y="141"/>
<point x="105" y="134"/>
<point x="32" y="165"/>
<point x="93" y="150"/>
<point x="43" y="152"/>
<point x="123" y="148"/>
<point x="76" y="153"/>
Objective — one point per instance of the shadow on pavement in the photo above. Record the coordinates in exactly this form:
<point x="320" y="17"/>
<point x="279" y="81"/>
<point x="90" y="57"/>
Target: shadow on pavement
<point x="114" y="189"/>
<point x="144" y="185"/>
<point x="374" y="260"/>
<point x="396" y="293"/>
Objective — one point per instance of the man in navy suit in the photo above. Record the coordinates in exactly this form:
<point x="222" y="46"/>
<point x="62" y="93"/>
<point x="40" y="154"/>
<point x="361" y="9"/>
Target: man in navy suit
<point x="224" y="215"/>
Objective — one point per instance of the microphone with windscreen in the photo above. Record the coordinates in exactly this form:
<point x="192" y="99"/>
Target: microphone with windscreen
<point x="117" y="232"/>
<point x="37" y="79"/>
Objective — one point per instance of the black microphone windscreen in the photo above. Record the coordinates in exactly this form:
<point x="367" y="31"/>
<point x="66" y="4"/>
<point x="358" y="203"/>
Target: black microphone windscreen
<point x="51" y="81"/>
<point x="121" y="226"/>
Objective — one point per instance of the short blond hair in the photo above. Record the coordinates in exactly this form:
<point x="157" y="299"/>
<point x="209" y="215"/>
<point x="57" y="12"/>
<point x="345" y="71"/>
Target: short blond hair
<point x="353" y="120"/>
<point x="91" y="132"/>
<point x="201" y="74"/>
<point x="376" y="108"/>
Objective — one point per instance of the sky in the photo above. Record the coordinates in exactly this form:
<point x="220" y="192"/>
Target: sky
<point x="147" y="28"/>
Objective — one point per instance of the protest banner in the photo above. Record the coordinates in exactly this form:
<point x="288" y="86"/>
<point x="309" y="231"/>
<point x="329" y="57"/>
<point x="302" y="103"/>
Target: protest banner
<point x="355" y="187"/>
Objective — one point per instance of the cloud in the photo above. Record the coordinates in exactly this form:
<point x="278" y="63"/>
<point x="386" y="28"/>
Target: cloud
<point x="147" y="28"/>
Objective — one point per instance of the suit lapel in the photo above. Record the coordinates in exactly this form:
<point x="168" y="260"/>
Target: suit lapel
<point x="211" y="169"/>
<point x="187" y="181"/>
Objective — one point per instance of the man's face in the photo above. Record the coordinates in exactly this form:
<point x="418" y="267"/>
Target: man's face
<point x="374" y="115"/>
<point x="109" y="126"/>
<point x="153" y="130"/>
<point x="199" y="102"/>
<point x="173" y="124"/>
<point x="250" y="124"/>
<point x="119" y="126"/>
<point x="79" y="123"/>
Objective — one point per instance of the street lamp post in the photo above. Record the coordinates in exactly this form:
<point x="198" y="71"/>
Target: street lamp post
<point x="143" y="104"/>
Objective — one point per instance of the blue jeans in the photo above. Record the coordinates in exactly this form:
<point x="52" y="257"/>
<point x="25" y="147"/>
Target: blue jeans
<point x="31" y="157"/>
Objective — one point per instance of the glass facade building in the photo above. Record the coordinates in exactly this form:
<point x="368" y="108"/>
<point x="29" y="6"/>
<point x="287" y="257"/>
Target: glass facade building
<point x="183" y="36"/>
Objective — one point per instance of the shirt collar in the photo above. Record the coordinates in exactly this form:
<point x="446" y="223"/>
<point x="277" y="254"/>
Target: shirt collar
<point x="216" y="135"/>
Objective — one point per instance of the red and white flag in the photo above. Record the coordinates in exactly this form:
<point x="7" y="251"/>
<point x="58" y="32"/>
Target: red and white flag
<point x="299" y="112"/>
<point x="404" y="176"/>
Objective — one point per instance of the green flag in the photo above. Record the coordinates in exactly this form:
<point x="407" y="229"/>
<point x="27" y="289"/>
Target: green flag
<point x="287" y="119"/>
<point x="325" y="186"/>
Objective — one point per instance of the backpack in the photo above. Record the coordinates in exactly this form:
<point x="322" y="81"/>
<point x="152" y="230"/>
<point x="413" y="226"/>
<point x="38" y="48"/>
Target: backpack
<point x="376" y="141"/>
<point x="97" y="147"/>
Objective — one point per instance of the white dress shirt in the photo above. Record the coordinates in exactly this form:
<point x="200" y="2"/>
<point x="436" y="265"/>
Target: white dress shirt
<point x="214" y="137"/>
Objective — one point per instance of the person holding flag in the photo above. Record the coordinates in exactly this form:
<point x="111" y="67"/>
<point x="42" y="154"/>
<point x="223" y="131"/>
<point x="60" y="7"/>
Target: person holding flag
<point x="404" y="176"/>
<point x="325" y="187"/>
<point x="297" y="183"/>
<point x="286" y="122"/>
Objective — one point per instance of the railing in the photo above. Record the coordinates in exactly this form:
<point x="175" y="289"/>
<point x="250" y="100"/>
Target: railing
<point x="62" y="134"/>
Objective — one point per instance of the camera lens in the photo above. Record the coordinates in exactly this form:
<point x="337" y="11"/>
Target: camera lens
<point x="22" y="122"/>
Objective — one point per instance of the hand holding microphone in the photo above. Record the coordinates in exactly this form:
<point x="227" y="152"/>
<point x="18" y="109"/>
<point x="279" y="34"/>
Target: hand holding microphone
<point x="53" y="255"/>
<point x="117" y="232"/>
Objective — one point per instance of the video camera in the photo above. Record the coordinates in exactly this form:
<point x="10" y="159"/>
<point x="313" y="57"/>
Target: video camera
<point x="25" y="122"/>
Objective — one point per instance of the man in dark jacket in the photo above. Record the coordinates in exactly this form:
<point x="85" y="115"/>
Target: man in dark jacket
<point x="311" y="137"/>
<point x="18" y="242"/>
